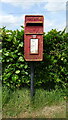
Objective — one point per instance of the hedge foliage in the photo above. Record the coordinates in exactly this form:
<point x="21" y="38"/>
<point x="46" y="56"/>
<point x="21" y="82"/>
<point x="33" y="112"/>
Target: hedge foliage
<point x="51" y="72"/>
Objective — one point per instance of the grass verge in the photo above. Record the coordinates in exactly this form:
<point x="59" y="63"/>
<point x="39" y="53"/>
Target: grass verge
<point x="45" y="104"/>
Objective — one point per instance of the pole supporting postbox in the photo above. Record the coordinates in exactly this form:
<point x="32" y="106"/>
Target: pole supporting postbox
<point x="32" y="78"/>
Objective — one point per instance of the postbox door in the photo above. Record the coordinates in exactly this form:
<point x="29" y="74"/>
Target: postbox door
<point x="33" y="48"/>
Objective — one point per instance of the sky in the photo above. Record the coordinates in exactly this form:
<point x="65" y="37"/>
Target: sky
<point x="12" y="13"/>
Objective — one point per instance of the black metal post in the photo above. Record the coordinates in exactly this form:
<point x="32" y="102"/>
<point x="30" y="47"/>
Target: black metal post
<point x="32" y="79"/>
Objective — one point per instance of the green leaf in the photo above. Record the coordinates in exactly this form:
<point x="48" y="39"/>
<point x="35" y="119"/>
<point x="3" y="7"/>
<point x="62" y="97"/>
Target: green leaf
<point x="21" y="44"/>
<point x="0" y="42"/>
<point x="19" y="53"/>
<point x="55" y="61"/>
<point x="6" y="54"/>
<point x="8" y="60"/>
<point x="59" y="56"/>
<point x="21" y="59"/>
<point x="21" y="65"/>
<point x="8" y="75"/>
<point x="22" y="27"/>
<point x="62" y="58"/>
<point x="8" y="84"/>
<point x="17" y="71"/>
<point x="17" y="64"/>
<point x="58" y="80"/>
<point x="26" y="73"/>
<point x="0" y="51"/>
<point x="26" y="66"/>
<point x="14" y="77"/>
<point x="16" y="51"/>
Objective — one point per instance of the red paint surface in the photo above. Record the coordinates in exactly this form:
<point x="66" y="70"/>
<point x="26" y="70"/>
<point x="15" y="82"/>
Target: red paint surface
<point x="33" y="26"/>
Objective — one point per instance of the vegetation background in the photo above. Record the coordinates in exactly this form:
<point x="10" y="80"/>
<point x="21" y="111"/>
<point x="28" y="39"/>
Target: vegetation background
<point x="51" y="72"/>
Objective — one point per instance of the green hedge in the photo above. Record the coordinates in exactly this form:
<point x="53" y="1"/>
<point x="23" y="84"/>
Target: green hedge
<point x="51" y="72"/>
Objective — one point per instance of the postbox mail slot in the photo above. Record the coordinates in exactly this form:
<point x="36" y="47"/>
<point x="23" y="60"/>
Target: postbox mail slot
<point x="34" y="24"/>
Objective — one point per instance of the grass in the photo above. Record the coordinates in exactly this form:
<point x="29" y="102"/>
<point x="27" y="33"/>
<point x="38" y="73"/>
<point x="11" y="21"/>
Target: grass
<point x="45" y="104"/>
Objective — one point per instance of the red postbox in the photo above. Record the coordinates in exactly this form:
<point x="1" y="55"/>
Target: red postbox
<point x="33" y="38"/>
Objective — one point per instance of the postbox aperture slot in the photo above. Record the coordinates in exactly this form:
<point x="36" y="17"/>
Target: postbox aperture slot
<point x="33" y="46"/>
<point x="34" y="24"/>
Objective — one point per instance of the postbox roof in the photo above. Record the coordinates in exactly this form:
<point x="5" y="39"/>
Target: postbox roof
<point x="33" y="15"/>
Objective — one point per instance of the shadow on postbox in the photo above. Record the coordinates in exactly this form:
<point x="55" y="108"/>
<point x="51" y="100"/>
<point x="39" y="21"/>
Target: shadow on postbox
<point x="33" y="38"/>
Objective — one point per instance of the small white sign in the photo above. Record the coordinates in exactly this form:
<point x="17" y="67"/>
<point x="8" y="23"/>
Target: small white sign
<point x="34" y="46"/>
